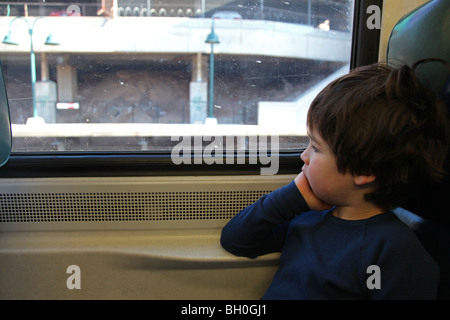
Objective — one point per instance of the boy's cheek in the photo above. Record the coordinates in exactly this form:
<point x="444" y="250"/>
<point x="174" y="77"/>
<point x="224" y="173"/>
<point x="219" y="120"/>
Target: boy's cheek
<point x="321" y="188"/>
<point x="319" y="192"/>
<point x="315" y="184"/>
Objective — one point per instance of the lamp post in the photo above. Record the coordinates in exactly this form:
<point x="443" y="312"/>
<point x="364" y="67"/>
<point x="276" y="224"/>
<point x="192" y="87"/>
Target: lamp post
<point x="211" y="39"/>
<point x="49" y="41"/>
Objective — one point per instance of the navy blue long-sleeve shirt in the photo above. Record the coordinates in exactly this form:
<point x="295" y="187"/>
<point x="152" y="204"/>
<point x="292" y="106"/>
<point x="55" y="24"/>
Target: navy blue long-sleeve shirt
<point x="325" y="257"/>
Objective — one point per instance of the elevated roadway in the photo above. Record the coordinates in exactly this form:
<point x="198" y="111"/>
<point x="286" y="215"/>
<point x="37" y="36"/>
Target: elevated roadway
<point x="170" y="35"/>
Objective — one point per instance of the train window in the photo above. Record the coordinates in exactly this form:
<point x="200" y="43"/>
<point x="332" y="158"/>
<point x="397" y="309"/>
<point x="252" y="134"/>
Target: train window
<point x="147" y="76"/>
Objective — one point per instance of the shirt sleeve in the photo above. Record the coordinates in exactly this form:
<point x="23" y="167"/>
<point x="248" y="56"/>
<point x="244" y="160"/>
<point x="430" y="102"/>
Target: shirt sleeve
<point x="261" y="227"/>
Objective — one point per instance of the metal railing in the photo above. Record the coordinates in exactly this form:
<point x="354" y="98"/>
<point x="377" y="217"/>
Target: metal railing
<point x="168" y="10"/>
<point x="47" y="9"/>
<point x="125" y="111"/>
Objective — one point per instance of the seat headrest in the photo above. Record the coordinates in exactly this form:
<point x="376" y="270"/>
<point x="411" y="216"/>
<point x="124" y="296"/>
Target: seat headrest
<point x="421" y="34"/>
<point x="5" y="123"/>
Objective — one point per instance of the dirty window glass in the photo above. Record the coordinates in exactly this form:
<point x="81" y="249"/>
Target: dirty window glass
<point x="120" y="75"/>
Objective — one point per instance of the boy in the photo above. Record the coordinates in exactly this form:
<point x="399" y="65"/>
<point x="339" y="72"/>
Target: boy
<point x="372" y="133"/>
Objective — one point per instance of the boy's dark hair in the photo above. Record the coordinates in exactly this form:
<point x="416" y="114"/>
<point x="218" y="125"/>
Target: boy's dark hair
<point x="382" y="121"/>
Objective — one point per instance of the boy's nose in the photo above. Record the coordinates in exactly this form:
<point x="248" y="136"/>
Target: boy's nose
<point x="304" y="156"/>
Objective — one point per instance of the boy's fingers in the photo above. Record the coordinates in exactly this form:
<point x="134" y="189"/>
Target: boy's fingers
<point x="313" y="202"/>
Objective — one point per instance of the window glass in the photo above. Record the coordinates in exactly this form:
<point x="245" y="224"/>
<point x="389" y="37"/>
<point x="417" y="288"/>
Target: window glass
<point x="149" y="75"/>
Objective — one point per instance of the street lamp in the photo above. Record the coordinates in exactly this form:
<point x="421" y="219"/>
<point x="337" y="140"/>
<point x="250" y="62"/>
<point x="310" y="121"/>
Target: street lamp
<point x="211" y="39"/>
<point x="9" y="39"/>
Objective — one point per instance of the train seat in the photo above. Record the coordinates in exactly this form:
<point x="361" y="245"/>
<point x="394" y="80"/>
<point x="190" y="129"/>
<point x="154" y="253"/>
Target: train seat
<point x="422" y="34"/>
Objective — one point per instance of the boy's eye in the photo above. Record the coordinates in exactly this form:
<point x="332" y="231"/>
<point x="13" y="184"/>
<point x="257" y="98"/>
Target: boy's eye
<point x="314" y="148"/>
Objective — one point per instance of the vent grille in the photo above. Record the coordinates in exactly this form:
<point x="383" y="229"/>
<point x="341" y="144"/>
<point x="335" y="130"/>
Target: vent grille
<point x="120" y="206"/>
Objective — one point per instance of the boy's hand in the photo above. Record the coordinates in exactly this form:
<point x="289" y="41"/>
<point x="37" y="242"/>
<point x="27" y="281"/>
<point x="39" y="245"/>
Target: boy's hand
<point x="313" y="202"/>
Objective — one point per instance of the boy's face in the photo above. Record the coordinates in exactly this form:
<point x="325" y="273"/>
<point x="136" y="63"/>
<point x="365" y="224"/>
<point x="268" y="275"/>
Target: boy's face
<point x="320" y="168"/>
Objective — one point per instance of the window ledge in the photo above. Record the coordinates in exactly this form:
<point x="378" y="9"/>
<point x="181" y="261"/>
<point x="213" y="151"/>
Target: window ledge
<point x="184" y="248"/>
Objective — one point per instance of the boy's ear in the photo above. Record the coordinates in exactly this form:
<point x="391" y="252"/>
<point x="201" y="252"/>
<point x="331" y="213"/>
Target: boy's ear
<point x="362" y="179"/>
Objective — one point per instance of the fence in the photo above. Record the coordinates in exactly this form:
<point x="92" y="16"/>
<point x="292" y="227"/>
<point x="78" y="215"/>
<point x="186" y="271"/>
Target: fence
<point x="175" y="10"/>
<point x="125" y="111"/>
